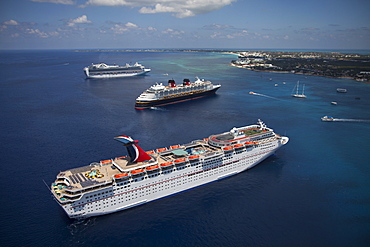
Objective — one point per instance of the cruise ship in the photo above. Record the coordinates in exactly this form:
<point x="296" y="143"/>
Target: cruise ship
<point x="159" y="94"/>
<point x="142" y="176"/>
<point x="103" y="70"/>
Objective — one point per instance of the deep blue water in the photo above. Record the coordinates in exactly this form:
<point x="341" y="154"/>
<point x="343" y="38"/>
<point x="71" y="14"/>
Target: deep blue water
<point x="314" y="192"/>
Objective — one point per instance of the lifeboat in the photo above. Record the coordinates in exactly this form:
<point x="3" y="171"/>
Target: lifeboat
<point x="205" y="139"/>
<point x="150" y="152"/>
<point x="121" y="175"/>
<point x="193" y="157"/>
<point x="228" y="149"/>
<point x="180" y="161"/>
<point x="104" y="162"/>
<point x="121" y="158"/>
<point x="174" y="146"/>
<point x="149" y="168"/>
<point x="133" y="172"/>
<point x="251" y="143"/>
<point x="161" y="150"/>
<point x="238" y="145"/>
<point x="166" y="164"/>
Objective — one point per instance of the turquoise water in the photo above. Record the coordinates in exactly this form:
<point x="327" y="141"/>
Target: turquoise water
<point x="314" y="192"/>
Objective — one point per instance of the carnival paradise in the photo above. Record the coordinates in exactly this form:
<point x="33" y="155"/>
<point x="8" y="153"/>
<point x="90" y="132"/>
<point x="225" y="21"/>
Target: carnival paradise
<point x="142" y="176"/>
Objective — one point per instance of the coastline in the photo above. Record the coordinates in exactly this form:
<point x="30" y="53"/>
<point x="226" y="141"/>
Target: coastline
<point x="297" y="73"/>
<point x="332" y="64"/>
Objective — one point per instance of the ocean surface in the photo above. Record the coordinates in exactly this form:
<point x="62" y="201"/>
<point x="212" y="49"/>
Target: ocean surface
<point x="315" y="191"/>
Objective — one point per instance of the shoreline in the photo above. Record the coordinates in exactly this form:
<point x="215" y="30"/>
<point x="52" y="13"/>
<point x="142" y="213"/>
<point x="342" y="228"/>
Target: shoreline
<point x="331" y="65"/>
<point x="297" y="73"/>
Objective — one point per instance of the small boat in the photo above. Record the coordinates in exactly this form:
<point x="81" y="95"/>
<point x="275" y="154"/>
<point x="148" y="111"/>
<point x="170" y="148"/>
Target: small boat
<point x="341" y="90"/>
<point x="327" y="119"/>
<point x="296" y="94"/>
<point x="334" y="103"/>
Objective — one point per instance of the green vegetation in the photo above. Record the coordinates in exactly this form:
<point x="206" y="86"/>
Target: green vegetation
<point x="353" y="66"/>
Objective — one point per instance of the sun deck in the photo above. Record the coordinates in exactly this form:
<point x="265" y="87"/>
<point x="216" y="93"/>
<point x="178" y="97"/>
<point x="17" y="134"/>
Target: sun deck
<point x="102" y="173"/>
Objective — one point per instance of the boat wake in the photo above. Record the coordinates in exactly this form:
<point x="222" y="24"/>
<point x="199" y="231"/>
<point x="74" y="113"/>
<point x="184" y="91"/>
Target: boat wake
<point x="157" y="108"/>
<point x="263" y="95"/>
<point x="332" y="119"/>
<point x="351" y="120"/>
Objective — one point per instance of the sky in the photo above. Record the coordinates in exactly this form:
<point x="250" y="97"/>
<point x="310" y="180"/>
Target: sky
<point x="139" y="24"/>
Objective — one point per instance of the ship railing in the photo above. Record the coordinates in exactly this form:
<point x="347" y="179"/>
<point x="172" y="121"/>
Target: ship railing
<point x="211" y="154"/>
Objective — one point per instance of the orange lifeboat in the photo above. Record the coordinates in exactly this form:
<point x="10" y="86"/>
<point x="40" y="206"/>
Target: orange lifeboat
<point x="229" y="148"/>
<point x="180" y="161"/>
<point x="205" y="139"/>
<point x="174" y="146"/>
<point x="193" y="157"/>
<point x="121" y="175"/>
<point x="251" y="143"/>
<point x="161" y="149"/>
<point x="137" y="171"/>
<point x="166" y="164"/>
<point x="121" y="158"/>
<point x="103" y="162"/>
<point x="150" y="152"/>
<point x="238" y="145"/>
<point x="149" y="168"/>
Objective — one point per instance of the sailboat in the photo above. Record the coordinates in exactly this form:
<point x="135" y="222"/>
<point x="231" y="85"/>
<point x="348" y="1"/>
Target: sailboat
<point x="296" y="94"/>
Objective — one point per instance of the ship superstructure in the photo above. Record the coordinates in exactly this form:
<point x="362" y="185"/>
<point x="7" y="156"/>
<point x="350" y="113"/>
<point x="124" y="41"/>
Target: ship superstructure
<point x="103" y="70"/>
<point x="159" y="94"/>
<point x="140" y="177"/>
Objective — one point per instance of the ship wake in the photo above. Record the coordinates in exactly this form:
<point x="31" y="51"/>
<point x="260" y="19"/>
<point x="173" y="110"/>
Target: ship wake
<point x="263" y="95"/>
<point x="351" y="120"/>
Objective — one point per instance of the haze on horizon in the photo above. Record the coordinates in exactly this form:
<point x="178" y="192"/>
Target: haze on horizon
<point x="131" y="24"/>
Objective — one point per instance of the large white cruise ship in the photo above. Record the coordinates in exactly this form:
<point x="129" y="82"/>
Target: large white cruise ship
<point x="124" y="182"/>
<point x="159" y="94"/>
<point x="103" y="70"/>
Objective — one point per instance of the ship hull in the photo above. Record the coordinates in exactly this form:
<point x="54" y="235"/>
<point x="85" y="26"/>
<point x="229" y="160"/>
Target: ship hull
<point x="164" y="184"/>
<point x="118" y="74"/>
<point x="166" y="101"/>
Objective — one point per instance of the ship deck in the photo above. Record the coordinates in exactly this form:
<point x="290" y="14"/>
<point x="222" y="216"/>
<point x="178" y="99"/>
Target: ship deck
<point x="103" y="172"/>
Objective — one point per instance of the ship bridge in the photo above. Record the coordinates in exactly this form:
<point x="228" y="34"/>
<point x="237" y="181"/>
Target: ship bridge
<point x="241" y="135"/>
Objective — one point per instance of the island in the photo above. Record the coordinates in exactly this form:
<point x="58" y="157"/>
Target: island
<point x="334" y="64"/>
